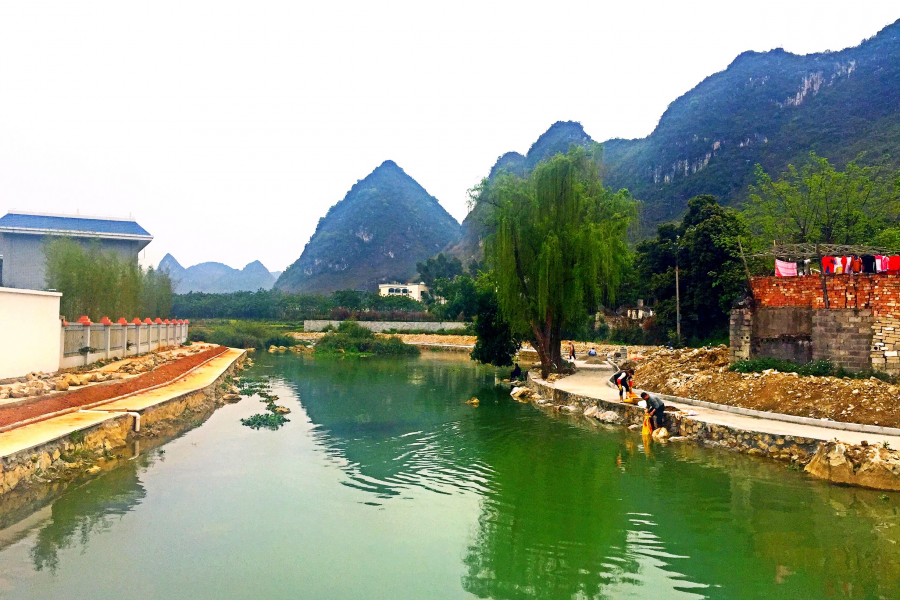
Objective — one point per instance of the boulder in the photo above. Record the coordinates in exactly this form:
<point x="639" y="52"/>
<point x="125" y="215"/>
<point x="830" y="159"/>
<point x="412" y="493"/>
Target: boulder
<point x="61" y="385"/>
<point x="231" y="397"/>
<point x="473" y="401"/>
<point x="661" y="434"/>
<point x="591" y="411"/>
<point x="867" y="466"/>
<point x="609" y="417"/>
<point x="282" y="410"/>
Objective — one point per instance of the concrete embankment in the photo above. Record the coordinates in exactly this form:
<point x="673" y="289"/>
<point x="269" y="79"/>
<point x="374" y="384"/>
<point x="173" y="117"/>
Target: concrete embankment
<point x="815" y="447"/>
<point x="68" y="444"/>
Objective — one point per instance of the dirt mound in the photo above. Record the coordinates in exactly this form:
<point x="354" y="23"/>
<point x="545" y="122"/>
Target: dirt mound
<point x="703" y="374"/>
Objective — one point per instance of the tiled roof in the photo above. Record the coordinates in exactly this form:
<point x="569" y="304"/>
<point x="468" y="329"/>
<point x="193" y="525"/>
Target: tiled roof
<point x="72" y="225"/>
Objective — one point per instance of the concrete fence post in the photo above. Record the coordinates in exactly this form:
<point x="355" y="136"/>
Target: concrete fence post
<point x="86" y="340"/>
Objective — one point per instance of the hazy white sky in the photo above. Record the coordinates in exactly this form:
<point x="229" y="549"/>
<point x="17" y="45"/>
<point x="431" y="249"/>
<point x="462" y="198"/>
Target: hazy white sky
<point x="227" y="129"/>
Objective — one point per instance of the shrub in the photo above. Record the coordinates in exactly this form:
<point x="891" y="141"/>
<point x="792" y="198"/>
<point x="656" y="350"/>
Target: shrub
<point x="352" y="338"/>
<point x="818" y="368"/>
<point x="240" y="334"/>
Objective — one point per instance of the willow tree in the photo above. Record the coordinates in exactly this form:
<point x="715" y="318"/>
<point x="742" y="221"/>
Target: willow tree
<point x="559" y="249"/>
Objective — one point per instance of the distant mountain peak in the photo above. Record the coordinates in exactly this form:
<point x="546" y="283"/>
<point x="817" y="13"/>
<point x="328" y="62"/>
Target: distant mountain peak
<point x="215" y="277"/>
<point x="384" y="225"/>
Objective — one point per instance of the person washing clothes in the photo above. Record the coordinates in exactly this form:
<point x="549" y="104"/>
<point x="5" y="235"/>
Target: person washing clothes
<point x="656" y="410"/>
<point x="592" y="352"/>
<point x="623" y="379"/>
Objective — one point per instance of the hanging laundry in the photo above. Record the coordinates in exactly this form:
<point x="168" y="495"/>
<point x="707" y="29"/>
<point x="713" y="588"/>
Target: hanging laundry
<point x="894" y="265"/>
<point x="868" y="262"/>
<point x="828" y="264"/>
<point x="785" y="269"/>
<point x="856" y="265"/>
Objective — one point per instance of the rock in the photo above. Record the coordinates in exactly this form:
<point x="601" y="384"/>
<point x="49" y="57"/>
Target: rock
<point x="473" y="401"/>
<point x="231" y="397"/>
<point x="61" y="385"/>
<point x="522" y="394"/>
<point x="609" y="417"/>
<point x="870" y="466"/>
<point x="661" y="434"/>
<point x="282" y="410"/>
<point x="94" y="470"/>
<point x="634" y="426"/>
<point x="591" y="411"/>
<point x="17" y="394"/>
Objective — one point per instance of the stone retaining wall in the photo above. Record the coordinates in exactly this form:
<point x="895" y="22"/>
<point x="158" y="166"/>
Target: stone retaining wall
<point x="74" y="453"/>
<point x="788" y="448"/>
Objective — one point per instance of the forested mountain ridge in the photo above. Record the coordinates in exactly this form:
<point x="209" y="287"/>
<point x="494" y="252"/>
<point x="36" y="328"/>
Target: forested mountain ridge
<point x="770" y="108"/>
<point x="384" y="225"/>
<point x="556" y="139"/>
<point x="213" y="277"/>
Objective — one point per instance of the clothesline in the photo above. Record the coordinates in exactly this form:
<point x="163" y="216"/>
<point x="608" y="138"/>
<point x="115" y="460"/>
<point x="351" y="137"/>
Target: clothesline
<point x="801" y="252"/>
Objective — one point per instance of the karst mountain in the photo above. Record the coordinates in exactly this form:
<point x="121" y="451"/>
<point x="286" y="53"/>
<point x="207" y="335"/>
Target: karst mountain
<point x="385" y="224"/>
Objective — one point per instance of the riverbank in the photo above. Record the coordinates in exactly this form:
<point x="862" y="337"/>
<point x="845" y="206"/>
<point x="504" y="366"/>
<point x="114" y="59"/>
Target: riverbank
<point x="84" y="437"/>
<point x="838" y="455"/>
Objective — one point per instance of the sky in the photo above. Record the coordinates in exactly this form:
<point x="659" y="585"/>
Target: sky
<point x="227" y="129"/>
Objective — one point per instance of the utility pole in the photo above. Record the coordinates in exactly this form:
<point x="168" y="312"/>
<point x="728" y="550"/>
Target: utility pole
<point x="677" y="291"/>
<point x="677" y="306"/>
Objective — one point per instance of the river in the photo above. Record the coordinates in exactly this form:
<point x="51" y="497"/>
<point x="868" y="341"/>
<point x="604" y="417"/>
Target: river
<point x="385" y="484"/>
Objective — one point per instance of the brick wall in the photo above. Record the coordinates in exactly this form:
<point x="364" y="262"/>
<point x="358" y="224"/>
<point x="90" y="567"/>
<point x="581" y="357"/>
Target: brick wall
<point x="838" y="333"/>
<point x="878" y="292"/>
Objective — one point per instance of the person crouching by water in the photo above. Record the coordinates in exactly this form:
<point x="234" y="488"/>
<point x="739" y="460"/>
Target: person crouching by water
<point x="592" y="352"/>
<point x="622" y="379"/>
<point x="656" y="410"/>
<point x="516" y="372"/>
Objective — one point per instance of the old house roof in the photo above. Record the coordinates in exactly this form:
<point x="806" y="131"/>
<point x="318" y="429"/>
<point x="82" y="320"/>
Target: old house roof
<point x="73" y="225"/>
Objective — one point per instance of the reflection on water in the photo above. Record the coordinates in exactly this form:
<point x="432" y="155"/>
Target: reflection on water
<point x="86" y="510"/>
<point x="384" y="466"/>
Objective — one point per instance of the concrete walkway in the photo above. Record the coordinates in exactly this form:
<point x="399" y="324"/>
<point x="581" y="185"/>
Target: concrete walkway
<point x="54" y="428"/>
<point x="593" y="383"/>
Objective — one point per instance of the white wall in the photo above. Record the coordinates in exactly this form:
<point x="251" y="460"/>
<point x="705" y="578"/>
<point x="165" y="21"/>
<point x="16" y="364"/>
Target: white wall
<point x="29" y="332"/>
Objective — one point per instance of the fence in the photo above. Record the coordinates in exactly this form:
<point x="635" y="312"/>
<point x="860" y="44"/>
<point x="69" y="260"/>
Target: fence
<point x="85" y="342"/>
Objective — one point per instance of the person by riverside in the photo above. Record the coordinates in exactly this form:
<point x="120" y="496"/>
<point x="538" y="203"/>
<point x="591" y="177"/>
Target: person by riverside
<point x="516" y="372"/>
<point x="623" y="379"/>
<point x="656" y="410"/>
<point x="571" y="350"/>
<point x="592" y="352"/>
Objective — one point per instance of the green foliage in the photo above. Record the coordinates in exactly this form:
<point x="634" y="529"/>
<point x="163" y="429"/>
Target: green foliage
<point x="239" y="334"/>
<point x="711" y="273"/>
<point x="354" y="339"/>
<point x="459" y="298"/>
<point x="281" y="306"/>
<point x="100" y="283"/>
<point x="261" y="387"/>
<point x="559" y="249"/>
<point x="817" y="203"/>
<point x="439" y="267"/>
<point x="818" y="368"/>
<point x="495" y="344"/>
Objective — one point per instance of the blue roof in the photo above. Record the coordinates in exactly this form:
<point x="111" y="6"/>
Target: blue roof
<point x="72" y="225"/>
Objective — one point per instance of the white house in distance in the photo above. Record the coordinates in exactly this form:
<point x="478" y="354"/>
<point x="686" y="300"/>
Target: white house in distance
<point x="416" y="291"/>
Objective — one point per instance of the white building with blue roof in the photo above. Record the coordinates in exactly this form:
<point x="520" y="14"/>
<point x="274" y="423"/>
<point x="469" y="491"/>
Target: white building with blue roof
<point x="22" y="237"/>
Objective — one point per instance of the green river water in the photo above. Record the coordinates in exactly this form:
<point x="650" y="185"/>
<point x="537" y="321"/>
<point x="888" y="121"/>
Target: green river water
<point x="385" y="484"/>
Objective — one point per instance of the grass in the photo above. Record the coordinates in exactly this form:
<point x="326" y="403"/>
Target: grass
<point x="818" y="368"/>
<point x="240" y="334"/>
<point x="350" y="338"/>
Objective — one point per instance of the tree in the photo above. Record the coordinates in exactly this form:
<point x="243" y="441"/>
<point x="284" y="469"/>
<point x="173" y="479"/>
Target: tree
<point x="439" y="267"/>
<point x="495" y="342"/>
<point x="100" y="283"/>
<point x="711" y="272"/>
<point x="817" y="203"/>
<point x="559" y="248"/>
